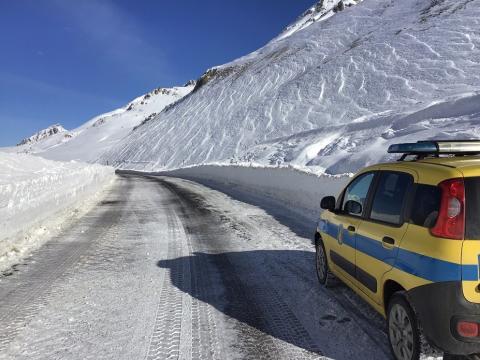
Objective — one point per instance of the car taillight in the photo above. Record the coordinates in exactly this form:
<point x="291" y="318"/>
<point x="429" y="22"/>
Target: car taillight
<point x="467" y="329"/>
<point x="451" y="218"/>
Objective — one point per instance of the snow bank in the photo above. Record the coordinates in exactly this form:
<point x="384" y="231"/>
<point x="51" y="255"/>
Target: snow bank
<point x="294" y="188"/>
<point x="35" y="193"/>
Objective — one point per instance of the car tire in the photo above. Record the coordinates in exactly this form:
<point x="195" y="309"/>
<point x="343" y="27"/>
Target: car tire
<point x="321" y="263"/>
<point x="402" y="328"/>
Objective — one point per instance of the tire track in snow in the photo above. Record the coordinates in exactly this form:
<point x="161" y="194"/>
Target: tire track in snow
<point x="268" y="324"/>
<point x="92" y="311"/>
<point x="276" y="326"/>
<point x="184" y="326"/>
<point x="166" y="337"/>
<point x="205" y="339"/>
<point x="369" y="327"/>
<point x="30" y="294"/>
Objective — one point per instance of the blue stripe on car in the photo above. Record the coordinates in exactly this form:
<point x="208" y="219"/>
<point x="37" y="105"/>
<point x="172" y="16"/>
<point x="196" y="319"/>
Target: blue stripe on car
<point x="423" y="266"/>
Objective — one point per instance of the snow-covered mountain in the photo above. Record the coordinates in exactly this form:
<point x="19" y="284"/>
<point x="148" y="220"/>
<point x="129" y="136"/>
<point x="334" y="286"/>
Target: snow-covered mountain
<point x="97" y="135"/>
<point x="322" y="10"/>
<point x="332" y="95"/>
<point x="44" y="134"/>
<point x="331" y="92"/>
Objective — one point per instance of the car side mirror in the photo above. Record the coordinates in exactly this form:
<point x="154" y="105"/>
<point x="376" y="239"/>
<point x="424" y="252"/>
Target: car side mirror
<point x="328" y="203"/>
<point x="353" y="207"/>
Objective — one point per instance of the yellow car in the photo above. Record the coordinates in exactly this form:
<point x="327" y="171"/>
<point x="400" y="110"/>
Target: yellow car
<point x="405" y="236"/>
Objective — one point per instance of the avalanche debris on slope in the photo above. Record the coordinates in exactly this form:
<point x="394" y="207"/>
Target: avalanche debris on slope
<point x="346" y="148"/>
<point x="332" y="95"/>
<point x="36" y="195"/>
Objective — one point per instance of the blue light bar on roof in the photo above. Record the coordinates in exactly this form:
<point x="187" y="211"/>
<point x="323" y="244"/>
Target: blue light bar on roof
<point x="437" y="147"/>
<point x="427" y="147"/>
<point x="455" y="147"/>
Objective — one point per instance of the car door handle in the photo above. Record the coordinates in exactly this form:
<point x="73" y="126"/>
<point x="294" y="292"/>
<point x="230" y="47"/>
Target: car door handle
<point x="388" y="240"/>
<point x="351" y="228"/>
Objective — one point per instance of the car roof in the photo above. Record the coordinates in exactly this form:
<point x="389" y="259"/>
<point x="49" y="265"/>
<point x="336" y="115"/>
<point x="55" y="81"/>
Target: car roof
<point x="433" y="170"/>
<point x="459" y="162"/>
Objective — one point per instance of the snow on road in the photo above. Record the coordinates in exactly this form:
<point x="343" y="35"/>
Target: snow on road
<point x="167" y="268"/>
<point x="37" y="195"/>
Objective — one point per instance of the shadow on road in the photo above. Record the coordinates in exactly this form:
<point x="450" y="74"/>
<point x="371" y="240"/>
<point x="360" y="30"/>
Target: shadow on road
<point x="239" y="285"/>
<point x="273" y="294"/>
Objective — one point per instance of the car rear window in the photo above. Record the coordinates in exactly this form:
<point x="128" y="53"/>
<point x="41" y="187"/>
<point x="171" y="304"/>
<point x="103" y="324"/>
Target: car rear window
<point x="472" y="204"/>
<point x="389" y="198"/>
<point x="426" y="205"/>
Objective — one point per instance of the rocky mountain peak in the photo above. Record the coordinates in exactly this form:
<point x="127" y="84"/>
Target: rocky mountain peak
<point x="43" y="134"/>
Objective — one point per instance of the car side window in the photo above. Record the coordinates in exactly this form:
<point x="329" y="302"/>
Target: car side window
<point x="389" y="198"/>
<point x="357" y="192"/>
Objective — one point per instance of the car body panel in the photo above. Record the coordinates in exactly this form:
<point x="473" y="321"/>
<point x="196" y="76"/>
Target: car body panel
<point x="470" y="167"/>
<point x="470" y="274"/>
<point x="341" y="242"/>
<point x="375" y="257"/>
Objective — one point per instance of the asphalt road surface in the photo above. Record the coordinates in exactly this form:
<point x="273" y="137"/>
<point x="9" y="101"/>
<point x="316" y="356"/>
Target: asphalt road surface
<point x="165" y="268"/>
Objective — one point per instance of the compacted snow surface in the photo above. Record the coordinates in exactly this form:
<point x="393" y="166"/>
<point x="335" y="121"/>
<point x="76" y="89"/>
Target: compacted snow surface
<point x="36" y="194"/>
<point x="169" y="269"/>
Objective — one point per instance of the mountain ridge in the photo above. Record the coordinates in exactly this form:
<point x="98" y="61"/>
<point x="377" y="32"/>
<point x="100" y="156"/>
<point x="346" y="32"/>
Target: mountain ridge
<point x="89" y="140"/>
<point x="44" y="134"/>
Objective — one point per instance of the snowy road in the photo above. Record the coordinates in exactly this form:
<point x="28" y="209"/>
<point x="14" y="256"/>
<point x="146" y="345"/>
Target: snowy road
<point x="165" y="268"/>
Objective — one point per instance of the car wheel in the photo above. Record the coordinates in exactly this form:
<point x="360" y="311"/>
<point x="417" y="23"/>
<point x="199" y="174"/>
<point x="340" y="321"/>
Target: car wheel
<point x="321" y="263"/>
<point x="403" y="332"/>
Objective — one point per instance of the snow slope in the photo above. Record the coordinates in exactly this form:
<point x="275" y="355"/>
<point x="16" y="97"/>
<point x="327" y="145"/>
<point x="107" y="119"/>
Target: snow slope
<point x="331" y="95"/>
<point x="97" y="135"/>
<point x="56" y="130"/>
<point x="36" y="195"/>
<point x="322" y="10"/>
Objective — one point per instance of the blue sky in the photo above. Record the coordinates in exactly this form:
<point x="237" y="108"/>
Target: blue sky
<point x="65" y="61"/>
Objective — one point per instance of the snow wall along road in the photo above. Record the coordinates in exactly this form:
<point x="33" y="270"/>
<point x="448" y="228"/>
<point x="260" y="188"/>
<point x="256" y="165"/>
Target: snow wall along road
<point x="298" y="191"/>
<point x="36" y="195"/>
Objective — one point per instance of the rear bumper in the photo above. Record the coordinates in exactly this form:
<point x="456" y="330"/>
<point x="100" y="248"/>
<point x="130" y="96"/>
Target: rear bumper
<point x="439" y="306"/>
